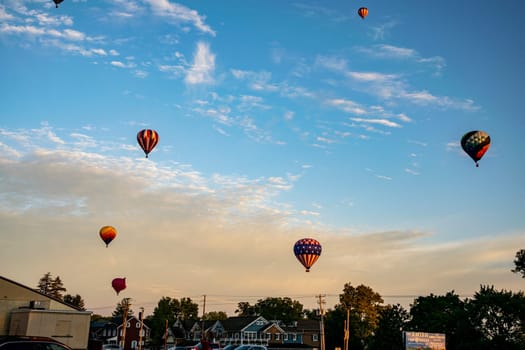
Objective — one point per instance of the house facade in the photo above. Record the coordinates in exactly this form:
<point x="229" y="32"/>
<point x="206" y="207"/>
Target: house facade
<point x="136" y="333"/>
<point x="24" y="311"/>
<point x="252" y="330"/>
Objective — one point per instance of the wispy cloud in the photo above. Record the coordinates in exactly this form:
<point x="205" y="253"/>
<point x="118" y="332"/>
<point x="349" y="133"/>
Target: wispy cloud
<point x="179" y="13"/>
<point x="201" y="71"/>
<point x="383" y="122"/>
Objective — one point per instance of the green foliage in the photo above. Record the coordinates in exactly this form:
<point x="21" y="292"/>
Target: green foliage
<point x="245" y="309"/>
<point x="215" y="315"/>
<point x="118" y="313"/>
<point x="283" y="309"/>
<point x="499" y="316"/>
<point x="442" y="314"/>
<point x="519" y="263"/>
<point x="75" y="301"/>
<point x="388" y="335"/>
<point x="51" y="286"/>
<point x="167" y="311"/>
<point x="364" y="305"/>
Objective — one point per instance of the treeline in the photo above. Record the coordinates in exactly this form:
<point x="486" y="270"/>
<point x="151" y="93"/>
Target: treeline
<point x="491" y="319"/>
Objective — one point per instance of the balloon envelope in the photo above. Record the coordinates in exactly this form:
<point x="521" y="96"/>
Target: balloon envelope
<point x="362" y="12"/>
<point x="307" y="251"/>
<point x="475" y="143"/>
<point x="108" y="233"/>
<point x="118" y="284"/>
<point x="147" y="139"/>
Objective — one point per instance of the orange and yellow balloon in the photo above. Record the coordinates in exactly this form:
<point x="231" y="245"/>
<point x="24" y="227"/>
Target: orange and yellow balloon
<point x="362" y="12"/>
<point x="108" y="233"/>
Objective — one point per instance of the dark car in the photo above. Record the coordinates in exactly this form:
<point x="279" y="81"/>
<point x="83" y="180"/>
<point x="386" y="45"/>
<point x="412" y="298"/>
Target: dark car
<point x="31" y="343"/>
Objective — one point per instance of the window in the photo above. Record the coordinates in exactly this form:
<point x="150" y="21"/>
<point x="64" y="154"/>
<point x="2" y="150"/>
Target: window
<point x="285" y="337"/>
<point x="128" y="325"/>
<point x="315" y="337"/>
<point x="134" y="344"/>
<point x="137" y="325"/>
<point x="294" y="337"/>
<point x="277" y="336"/>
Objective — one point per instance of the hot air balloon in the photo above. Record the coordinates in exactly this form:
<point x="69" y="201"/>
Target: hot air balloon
<point x="118" y="284"/>
<point x="475" y="144"/>
<point x="57" y="2"/>
<point x="147" y="139"/>
<point x="108" y="233"/>
<point x="362" y="12"/>
<point x="307" y="251"/>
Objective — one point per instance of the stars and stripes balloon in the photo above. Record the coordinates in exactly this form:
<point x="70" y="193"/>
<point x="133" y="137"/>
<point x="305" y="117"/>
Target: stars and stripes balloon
<point x="147" y="139"/>
<point x="475" y="144"/>
<point x="307" y="251"/>
<point x="107" y="233"/>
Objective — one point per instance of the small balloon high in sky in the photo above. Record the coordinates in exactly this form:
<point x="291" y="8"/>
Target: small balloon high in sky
<point x="475" y="143"/>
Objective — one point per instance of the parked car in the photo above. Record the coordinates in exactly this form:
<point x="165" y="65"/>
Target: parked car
<point x="31" y="343"/>
<point x="251" y="347"/>
<point x="111" y="347"/>
<point x="231" y="347"/>
<point x="214" y="346"/>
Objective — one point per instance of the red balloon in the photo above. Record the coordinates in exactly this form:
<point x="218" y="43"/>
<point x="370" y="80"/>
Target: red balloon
<point x="147" y="140"/>
<point x="119" y="284"/>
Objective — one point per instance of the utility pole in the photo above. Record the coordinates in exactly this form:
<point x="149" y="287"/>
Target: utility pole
<point x="141" y="317"/>
<point x="203" y="331"/>
<point x="166" y="336"/>
<point x="347" y="329"/>
<point x="321" y="311"/>
<point x="126" y="304"/>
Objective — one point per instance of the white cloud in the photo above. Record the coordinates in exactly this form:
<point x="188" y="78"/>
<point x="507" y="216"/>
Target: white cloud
<point x="171" y="214"/>
<point x="180" y="14"/>
<point x="201" y="71"/>
<point x="383" y="122"/>
<point x="347" y="106"/>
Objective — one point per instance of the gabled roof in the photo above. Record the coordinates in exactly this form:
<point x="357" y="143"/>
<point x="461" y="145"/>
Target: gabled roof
<point x="184" y="324"/>
<point x="270" y="325"/>
<point x="42" y="294"/>
<point x="238" y="323"/>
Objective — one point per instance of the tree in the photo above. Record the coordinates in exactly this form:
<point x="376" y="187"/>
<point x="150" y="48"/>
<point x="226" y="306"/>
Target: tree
<point x="118" y="313"/>
<point x="76" y="301"/>
<point x="444" y="314"/>
<point x="519" y="263"/>
<point x="499" y="316"/>
<point x="169" y="309"/>
<point x="188" y="309"/>
<point x="364" y="305"/>
<point x="283" y="309"/>
<point x="52" y="287"/>
<point x="388" y="335"/>
<point x="245" y="309"/>
<point x="215" y="315"/>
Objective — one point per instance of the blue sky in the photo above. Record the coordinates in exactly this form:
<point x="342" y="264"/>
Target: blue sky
<point x="278" y="120"/>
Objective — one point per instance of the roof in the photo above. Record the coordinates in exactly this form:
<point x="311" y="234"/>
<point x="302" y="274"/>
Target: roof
<point x="42" y="294"/>
<point x="238" y="323"/>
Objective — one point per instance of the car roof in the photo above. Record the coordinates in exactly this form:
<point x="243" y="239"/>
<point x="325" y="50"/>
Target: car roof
<point x="23" y="338"/>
